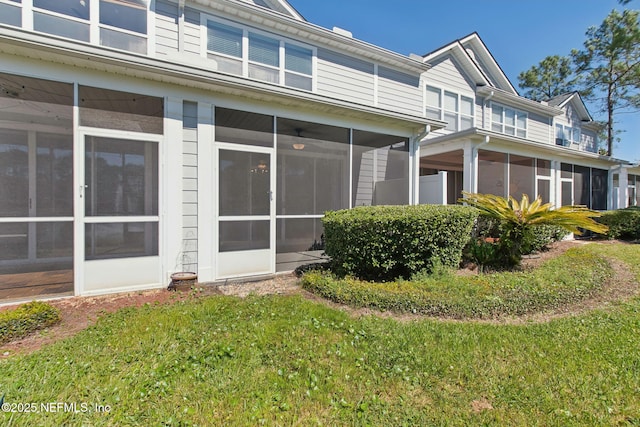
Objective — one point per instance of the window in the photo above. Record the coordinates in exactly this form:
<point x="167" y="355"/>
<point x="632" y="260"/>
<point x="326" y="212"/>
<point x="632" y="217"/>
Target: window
<point x="508" y="121"/>
<point x="259" y="56"/>
<point x="226" y="44"/>
<point x="455" y="109"/>
<point x="565" y="135"/>
<point x="264" y="58"/>
<point x="10" y="14"/>
<point x="122" y="24"/>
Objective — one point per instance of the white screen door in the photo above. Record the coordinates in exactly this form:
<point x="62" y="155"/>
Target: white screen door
<point x="245" y="211"/>
<point x="119" y="201"/>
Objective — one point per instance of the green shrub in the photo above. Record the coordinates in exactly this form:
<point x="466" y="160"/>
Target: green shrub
<point x="571" y="277"/>
<point x="26" y="319"/>
<point x="623" y="223"/>
<point x="385" y="242"/>
<point x="541" y="236"/>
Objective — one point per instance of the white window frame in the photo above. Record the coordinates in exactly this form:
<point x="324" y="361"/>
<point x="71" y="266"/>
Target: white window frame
<point x="517" y="114"/>
<point x="442" y="111"/>
<point x="93" y="22"/>
<point x="283" y="42"/>
<point x="574" y="134"/>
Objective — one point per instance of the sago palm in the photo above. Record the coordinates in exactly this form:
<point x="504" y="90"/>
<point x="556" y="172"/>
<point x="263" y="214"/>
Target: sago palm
<point x="518" y="220"/>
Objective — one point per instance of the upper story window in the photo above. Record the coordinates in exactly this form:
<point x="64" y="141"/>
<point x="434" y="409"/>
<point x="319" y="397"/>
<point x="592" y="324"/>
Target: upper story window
<point x="508" y="121"/>
<point x="455" y="109"/>
<point x="260" y="56"/>
<point x="121" y="24"/>
<point x="565" y="135"/>
<point x="10" y="13"/>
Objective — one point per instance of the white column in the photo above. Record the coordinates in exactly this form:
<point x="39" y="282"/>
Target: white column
<point x="470" y="168"/>
<point x="623" y="189"/>
<point x="414" y="172"/>
<point x="207" y="219"/>
<point x="171" y="178"/>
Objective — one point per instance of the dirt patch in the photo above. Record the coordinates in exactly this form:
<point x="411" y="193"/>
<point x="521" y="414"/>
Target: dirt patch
<point x="80" y="312"/>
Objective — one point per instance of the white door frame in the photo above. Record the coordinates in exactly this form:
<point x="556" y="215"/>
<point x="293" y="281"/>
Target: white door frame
<point x="266" y="256"/>
<point x="119" y="274"/>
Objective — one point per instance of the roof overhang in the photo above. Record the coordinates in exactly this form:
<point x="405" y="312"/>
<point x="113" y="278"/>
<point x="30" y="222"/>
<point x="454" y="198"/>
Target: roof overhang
<point x="313" y="34"/>
<point x="518" y="101"/>
<point x="477" y="135"/>
<point x="48" y="48"/>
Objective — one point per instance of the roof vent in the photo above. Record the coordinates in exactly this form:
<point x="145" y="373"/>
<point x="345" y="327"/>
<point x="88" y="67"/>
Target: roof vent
<point x="343" y="32"/>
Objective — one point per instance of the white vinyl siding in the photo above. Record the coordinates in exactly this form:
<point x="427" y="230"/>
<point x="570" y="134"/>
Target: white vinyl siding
<point x="344" y="77"/>
<point x="191" y="31"/>
<point x="399" y="91"/>
<point x="166" y="27"/>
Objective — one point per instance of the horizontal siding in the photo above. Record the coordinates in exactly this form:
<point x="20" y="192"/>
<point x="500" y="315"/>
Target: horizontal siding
<point x="190" y="188"/>
<point x="166" y="27"/>
<point x="192" y="31"/>
<point x="340" y="76"/>
<point x="399" y="92"/>
<point x="447" y="74"/>
<point x="538" y="128"/>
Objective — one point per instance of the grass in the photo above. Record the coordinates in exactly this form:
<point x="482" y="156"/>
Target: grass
<point x="289" y="361"/>
<point x="570" y="277"/>
<point x="25" y="319"/>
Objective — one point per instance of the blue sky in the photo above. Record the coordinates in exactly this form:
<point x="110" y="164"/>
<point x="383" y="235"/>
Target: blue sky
<point x="518" y="33"/>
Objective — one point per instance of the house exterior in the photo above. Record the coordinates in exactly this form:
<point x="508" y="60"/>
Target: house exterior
<point x="500" y="143"/>
<point x="139" y="138"/>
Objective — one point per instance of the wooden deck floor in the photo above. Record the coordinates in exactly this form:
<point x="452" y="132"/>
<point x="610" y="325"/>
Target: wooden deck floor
<point x="35" y="284"/>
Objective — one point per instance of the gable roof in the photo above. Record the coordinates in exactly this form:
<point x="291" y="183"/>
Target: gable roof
<point x="575" y="99"/>
<point x="281" y="6"/>
<point x="476" y="59"/>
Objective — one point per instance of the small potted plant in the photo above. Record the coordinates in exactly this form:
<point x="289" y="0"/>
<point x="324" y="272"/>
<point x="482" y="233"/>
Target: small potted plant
<point x="183" y="280"/>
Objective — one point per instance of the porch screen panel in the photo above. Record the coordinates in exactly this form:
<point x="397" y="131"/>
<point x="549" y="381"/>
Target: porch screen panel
<point x="313" y="168"/>
<point x="492" y="172"/>
<point x="581" y="185"/>
<point x="380" y="169"/>
<point x="111" y="109"/>
<point x="121" y="183"/>
<point x="36" y="187"/>
<point x="521" y="177"/>
<point x="599" y="187"/>
<point x="241" y="127"/>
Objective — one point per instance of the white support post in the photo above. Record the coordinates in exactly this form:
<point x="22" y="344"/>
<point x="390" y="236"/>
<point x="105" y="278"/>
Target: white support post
<point x="171" y="176"/>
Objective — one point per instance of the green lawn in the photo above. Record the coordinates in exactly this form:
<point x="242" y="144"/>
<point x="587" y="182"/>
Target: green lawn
<point x="289" y="361"/>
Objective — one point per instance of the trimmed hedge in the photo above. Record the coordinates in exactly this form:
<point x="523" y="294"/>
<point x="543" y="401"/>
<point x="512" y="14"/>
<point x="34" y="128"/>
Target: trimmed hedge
<point x="387" y="242"/>
<point x="26" y="319"/>
<point x="571" y="277"/>
<point x="623" y="224"/>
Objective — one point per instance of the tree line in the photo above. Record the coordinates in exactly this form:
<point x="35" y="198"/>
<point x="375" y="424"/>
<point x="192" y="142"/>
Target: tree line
<point x="605" y="71"/>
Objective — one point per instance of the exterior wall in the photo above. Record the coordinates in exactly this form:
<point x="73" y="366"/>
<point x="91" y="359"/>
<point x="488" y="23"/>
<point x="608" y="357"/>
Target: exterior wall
<point x="399" y="91"/>
<point x="538" y="128"/>
<point x="166" y="27"/>
<point x="337" y="75"/>
<point x="189" y="254"/>
<point x="344" y="77"/>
